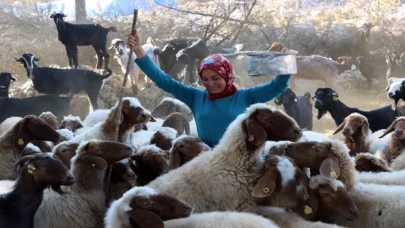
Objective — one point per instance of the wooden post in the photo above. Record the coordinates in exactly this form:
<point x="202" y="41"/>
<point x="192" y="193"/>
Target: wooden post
<point x="119" y="109"/>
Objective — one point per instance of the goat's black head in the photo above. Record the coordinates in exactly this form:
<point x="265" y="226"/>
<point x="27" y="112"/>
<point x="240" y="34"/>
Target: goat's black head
<point x="324" y="98"/>
<point x="396" y="90"/>
<point x="5" y="80"/>
<point x="28" y="60"/>
<point x="288" y="97"/>
<point x="58" y="19"/>
<point x="119" y="46"/>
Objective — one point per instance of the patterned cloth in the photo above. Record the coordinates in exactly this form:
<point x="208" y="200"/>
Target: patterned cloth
<point x="223" y="67"/>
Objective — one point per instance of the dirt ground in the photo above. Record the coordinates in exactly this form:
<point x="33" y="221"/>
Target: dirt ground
<point x="362" y="99"/>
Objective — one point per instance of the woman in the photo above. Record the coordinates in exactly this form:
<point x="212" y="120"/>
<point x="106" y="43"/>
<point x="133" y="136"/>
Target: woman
<point x="221" y="102"/>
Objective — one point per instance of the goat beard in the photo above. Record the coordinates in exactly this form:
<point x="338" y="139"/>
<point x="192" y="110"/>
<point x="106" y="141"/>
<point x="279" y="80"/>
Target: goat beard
<point x="57" y="189"/>
<point x="321" y="112"/>
<point x="394" y="104"/>
<point x="30" y="74"/>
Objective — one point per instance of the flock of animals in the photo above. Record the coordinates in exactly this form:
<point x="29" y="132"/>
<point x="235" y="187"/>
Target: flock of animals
<point x="266" y="170"/>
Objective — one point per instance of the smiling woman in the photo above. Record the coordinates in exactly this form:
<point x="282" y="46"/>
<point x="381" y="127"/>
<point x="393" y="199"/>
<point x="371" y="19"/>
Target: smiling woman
<point x="217" y="106"/>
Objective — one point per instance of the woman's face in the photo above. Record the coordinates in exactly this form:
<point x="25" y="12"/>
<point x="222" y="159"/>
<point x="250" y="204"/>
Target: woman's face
<point x="213" y="81"/>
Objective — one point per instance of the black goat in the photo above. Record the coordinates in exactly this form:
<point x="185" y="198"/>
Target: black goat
<point x="21" y="107"/>
<point x="327" y="100"/>
<point x="38" y="172"/>
<point x="168" y="60"/>
<point x="73" y="35"/>
<point x="353" y="46"/>
<point x="5" y="82"/>
<point x="299" y="108"/>
<point x="192" y="56"/>
<point x="63" y="81"/>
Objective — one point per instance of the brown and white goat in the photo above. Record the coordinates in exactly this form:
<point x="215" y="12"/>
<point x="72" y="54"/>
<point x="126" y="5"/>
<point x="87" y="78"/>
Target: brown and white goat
<point x="149" y="163"/>
<point x="355" y="130"/>
<point x="65" y="151"/>
<point x="367" y="162"/>
<point x="13" y="142"/>
<point x="184" y="149"/>
<point x="278" y="185"/>
<point x="326" y="197"/>
<point x="72" y="123"/>
<point x="50" y="119"/>
<point x="38" y="172"/>
<point x="330" y="159"/>
<point x="122" y="180"/>
<point x="177" y="121"/>
<point x="396" y="145"/>
<point x="164" y="137"/>
<point x="132" y="113"/>
<point x="84" y="205"/>
<point x="144" y="207"/>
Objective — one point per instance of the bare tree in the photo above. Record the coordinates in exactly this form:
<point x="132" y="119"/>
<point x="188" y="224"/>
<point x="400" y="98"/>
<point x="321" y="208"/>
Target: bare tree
<point x="80" y="10"/>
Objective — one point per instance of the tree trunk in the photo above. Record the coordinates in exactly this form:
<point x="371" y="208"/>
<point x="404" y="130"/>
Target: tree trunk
<point x="80" y="10"/>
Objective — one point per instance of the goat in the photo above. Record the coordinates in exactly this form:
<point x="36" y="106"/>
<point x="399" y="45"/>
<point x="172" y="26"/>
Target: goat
<point x="5" y="81"/>
<point x="177" y="121"/>
<point x="73" y="35"/>
<point x="354" y="45"/>
<point x="396" y="91"/>
<point x="62" y="81"/>
<point x="38" y="172"/>
<point x="184" y="149"/>
<point x="327" y="100"/>
<point x="72" y="123"/>
<point x="299" y="108"/>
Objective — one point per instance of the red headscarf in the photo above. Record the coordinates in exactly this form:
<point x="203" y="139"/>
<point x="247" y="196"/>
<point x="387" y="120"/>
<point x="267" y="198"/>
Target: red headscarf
<point x="223" y="67"/>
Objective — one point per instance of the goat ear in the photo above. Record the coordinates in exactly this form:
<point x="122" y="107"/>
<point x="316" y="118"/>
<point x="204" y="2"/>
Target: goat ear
<point x="145" y="219"/>
<point x="266" y="184"/>
<point x="152" y="119"/>
<point x="23" y="136"/>
<point x="340" y="127"/>
<point x="303" y="179"/>
<point x="174" y="160"/>
<point x="36" y="59"/>
<point x="365" y="128"/>
<point x="308" y="208"/>
<point x="390" y="129"/>
<point x="256" y="135"/>
<point x="329" y="169"/>
<point x="18" y="60"/>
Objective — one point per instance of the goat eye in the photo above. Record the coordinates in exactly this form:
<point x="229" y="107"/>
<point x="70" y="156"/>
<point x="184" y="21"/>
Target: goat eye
<point x="181" y="146"/>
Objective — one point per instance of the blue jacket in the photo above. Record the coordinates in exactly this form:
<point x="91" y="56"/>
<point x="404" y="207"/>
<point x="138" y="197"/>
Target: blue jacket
<point x="213" y="117"/>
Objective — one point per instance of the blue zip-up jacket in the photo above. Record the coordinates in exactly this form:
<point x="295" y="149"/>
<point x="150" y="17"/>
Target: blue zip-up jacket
<point x="213" y="117"/>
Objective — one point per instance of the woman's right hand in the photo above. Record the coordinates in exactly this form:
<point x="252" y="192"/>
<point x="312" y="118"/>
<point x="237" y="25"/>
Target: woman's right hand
<point x="136" y="42"/>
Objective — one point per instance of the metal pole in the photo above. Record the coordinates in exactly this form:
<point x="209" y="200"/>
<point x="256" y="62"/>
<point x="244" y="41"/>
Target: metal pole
<point x="119" y="109"/>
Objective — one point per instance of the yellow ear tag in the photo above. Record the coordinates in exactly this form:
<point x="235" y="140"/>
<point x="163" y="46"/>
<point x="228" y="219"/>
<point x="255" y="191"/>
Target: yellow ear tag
<point x="266" y="190"/>
<point x="20" y="142"/>
<point x="312" y="99"/>
<point x="308" y="210"/>
<point x="335" y="98"/>
<point x="332" y="173"/>
<point x="276" y="100"/>
<point x="30" y="171"/>
<point x="295" y="100"/>
<point x="93" y="165"/>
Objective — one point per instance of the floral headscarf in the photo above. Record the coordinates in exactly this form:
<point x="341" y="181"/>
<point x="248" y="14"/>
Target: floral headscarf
<point x="223" y="67"/>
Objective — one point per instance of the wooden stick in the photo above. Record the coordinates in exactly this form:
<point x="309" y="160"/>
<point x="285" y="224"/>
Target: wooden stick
<point x="119" y="109"/>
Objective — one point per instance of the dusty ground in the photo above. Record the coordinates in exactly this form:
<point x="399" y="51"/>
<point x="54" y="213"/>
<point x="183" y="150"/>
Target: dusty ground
<point x="365" y="100"/>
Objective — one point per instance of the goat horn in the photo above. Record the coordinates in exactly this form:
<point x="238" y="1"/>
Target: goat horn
<point x="36" y="59"/>
<point x="23" y="160"/>
<point x="18" y="60"/>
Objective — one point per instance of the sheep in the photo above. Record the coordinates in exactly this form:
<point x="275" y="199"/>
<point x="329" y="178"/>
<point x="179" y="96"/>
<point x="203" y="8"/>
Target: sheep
<point x="220" y="178"/>
<point x="63" y="81"/>
<point x="122" y="56"/>
<point x="395" y="91"/>
<point x="383" y="178"/>
<point x="184" y="149"/>
<point x="20" y="107"/>
<point x="73" y="35"/>
<point x="13" y="142"/>
<point x="221" y="219"/>
<point x="122" y="179"/>
<point x="31" y="149"/>
<point x="177" y="121"/>
<point x="299" y="108"/>
<point x="9" y="123"/>
<point x="327" y="100"/>
<point x="355" y="130"/>
<point x="277" y="186"/>
<point x="72" y="123"/>
<point x="169" y="105"/>
<point x="396" y="135"/>
<point x="288" y="219"/>
<point x="65" y="151"/>
<point x="331" y="159"/>
<point x="132" y="113"/>
<point x="38" y="172"/>
<point x="163" y="137"/>
<point x="84" y="203"/>
<point x="379" y="206"/>
<point x="353" y="45"/>
<point x="149" y="163"/>
<point x="5" y="81"/>
<point x="153" y="126"/>
<point x="366" y="162"/>
<point x="95" y="117"/>
<point x="313" y="136"/>
<point x="327" y="197"/>
<point x="145" y="207"/>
